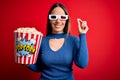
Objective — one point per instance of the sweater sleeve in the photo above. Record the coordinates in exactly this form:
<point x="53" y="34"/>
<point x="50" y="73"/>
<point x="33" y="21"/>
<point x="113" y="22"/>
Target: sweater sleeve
<point x="81" y="51"/>
<point x="35" y="67"/>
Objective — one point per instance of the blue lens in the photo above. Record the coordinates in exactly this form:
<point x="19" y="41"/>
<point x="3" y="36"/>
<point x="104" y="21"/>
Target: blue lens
<point x="53" y="17"/>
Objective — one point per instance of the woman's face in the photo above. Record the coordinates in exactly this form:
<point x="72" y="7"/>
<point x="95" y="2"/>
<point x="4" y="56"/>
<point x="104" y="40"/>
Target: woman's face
<point x="58" y="24"/>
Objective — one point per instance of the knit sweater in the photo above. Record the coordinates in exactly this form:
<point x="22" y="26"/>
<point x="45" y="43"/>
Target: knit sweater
<point x="57" y="65"/>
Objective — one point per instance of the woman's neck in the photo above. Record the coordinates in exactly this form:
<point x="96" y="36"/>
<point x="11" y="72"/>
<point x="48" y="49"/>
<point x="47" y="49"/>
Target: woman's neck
<point x="57" y="32"/>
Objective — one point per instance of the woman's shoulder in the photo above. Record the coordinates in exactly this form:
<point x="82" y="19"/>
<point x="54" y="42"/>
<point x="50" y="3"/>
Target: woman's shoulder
<point x="73" y="37"/>
<point x="44" y="38"/>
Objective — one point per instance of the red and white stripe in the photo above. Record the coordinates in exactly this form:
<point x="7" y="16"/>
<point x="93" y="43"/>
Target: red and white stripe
<point x="33" y="57"/>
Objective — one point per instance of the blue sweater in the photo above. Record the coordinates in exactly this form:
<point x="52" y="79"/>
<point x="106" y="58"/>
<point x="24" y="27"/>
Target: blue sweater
<point x="57" y="65"/>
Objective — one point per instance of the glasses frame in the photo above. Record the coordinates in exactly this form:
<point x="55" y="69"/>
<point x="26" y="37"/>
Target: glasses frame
<point x="58" y="17"/>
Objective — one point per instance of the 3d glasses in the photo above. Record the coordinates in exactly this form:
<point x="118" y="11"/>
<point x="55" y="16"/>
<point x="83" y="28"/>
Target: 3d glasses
<point x="55" y="17"/>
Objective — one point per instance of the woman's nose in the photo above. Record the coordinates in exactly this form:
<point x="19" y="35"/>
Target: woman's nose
<point x="58" y="20"/>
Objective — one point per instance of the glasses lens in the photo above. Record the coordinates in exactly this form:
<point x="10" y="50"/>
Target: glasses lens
<point x="52" y="17"/>
<point x="64" y="17"/>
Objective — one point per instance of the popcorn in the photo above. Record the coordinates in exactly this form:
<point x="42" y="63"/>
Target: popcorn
<point x="27" y="45"/>
<point x="28" y="30"/>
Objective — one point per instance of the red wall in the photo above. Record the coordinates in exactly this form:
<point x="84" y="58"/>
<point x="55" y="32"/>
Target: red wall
<point x="102" y="38"/>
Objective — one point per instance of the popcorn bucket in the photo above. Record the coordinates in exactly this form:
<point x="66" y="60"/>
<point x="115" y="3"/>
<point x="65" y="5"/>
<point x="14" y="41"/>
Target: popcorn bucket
<point x="27" y="45"/>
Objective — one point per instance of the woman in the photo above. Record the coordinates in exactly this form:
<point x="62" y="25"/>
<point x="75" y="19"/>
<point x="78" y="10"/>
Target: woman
<point x="59" y="49"/>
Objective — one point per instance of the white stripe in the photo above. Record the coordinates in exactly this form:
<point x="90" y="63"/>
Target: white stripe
<point x="22" y="60"/>
<point x="27" y="57"/>
<point x="18" y="56"/>
<point x="29" y="36"/>
<point x="32" y="54"/>
<point x="31" y="57"/>
<point x="23" y="37"/>
<point x="37" y="46"/>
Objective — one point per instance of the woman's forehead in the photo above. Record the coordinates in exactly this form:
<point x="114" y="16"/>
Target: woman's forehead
<point x="58" y="10"/>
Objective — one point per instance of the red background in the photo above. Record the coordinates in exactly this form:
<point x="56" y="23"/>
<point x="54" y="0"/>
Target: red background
<point x="103" y="17"/>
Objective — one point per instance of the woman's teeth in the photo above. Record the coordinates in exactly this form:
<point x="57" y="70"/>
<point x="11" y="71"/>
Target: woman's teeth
<point x="57" y="26"/>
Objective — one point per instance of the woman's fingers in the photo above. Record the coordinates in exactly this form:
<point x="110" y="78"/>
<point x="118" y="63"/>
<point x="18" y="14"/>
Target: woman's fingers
<point x="79" y="25"/>
<point x="82" y="26"/>
<point x="79" y="20"/>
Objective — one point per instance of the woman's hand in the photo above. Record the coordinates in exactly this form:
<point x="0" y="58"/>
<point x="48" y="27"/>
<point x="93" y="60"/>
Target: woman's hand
<point x="26" y="65"/>
<point x="82" y="26"/>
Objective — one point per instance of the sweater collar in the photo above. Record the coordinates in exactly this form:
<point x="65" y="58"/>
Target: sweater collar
<point x="61" y="35"/>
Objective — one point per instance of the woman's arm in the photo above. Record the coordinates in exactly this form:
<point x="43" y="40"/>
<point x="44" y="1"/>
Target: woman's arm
<point x="81" y="51"/>
<point x="35" y="67"/>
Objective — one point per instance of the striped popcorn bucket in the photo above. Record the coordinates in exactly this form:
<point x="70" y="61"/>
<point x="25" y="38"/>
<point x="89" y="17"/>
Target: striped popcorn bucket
<point x="27" y="47"/>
